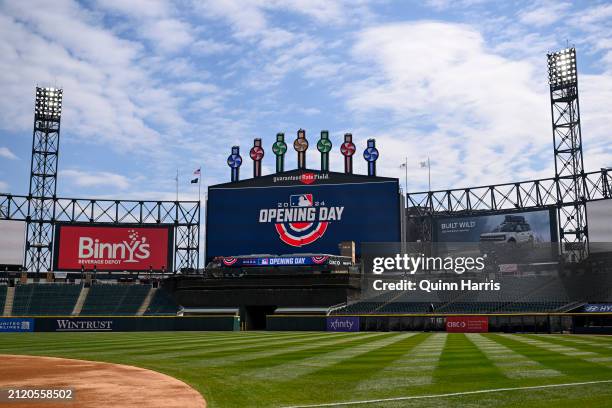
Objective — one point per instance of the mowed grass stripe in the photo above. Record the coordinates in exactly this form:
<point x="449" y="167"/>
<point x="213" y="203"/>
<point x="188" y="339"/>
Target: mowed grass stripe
<point x="298" y="368"/>
<point x="462" y="359"/>
<point x="578" y="368"/>
<point x="139" y="347"/>
<point x="601" y="355"/>
<point x="510" y="363"/>
<point x="598" y="343"/>
<point x="335" y="381"/>
<point x="557" y="346"/>
<point x="111" y="340"/>
<point x="220" y="353"/>
<point x="266" y="352"/>
<point x="414" y="367"/>
<point x="224" y="347"/>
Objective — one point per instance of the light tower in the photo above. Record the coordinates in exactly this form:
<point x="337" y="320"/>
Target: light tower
<point x="567" y="138"/>
<point x="43" y="179"/>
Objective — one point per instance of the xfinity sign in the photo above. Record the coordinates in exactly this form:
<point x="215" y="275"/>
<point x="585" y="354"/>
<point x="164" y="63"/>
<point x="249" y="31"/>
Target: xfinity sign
<point x="343" y="324"/>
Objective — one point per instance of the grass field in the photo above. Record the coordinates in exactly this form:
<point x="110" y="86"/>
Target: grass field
<point x="278" y="369"/>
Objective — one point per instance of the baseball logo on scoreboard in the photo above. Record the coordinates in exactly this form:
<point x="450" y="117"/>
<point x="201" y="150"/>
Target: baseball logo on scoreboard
<point x="302" y="220"/>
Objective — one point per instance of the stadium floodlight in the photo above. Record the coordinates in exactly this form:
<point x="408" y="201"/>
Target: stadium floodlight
<point x="48" y="103"/>
<point x="301" y="145"/>
<point x="562" y="68"/>
<point x="324" y="146"/>
<point x="279" y="148"/>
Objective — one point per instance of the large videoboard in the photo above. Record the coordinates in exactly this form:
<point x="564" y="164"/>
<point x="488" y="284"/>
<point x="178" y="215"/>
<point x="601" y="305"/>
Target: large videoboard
<point x="12" y="243"/>
<point x="519" y="227"/>
<point x="300" y="214"/>
<point x="113" y="247"/>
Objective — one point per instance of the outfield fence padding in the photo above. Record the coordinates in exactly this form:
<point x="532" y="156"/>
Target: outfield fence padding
<point x="123" y="323"/>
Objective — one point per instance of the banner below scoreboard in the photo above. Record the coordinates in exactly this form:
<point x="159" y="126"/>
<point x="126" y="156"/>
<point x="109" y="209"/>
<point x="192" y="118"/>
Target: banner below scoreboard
<point x="285" y="261"/>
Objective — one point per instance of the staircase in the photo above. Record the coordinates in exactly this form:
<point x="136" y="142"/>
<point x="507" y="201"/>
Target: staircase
<point x="146" y="302"/>
<point x="78" y="306"/>
<point x="8" y="303"/>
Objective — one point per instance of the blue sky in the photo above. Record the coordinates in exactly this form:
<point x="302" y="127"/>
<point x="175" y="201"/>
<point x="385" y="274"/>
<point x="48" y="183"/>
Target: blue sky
<point x="152" y="86"/>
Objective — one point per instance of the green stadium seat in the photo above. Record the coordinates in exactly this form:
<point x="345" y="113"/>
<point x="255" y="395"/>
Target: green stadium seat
<point x="114" y="299"/>
<point x="45" y="299"/>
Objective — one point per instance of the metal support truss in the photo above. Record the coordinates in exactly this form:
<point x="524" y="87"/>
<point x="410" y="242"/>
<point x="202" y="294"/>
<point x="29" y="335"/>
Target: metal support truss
<point x="567" y="138"/>
<point x="43" y="177"/>
<point x="524" y="195"/>
<point x="184" y="215"/>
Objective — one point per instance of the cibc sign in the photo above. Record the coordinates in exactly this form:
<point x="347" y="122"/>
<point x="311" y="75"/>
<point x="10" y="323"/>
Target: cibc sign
<point x="112" y="247"/>
<point x="467" y="324"/>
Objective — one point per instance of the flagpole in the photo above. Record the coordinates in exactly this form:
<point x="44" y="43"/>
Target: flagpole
<point x="406" y="176"/>
<point x="429" y="172"/>
<point x="176" y="179"/>
<point x="200" y="187"/>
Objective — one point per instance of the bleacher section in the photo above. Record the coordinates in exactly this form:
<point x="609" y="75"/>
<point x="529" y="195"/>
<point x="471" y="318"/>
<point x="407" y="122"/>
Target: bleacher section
<point x="531" y="294"/>
<point x="45" y="299"/>
<point x="2" y="296"/>
<point x="162" y="304"/>
<point x="108" y="299"/>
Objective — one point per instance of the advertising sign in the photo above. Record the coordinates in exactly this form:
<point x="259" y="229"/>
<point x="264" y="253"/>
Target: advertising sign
<point x="113" y="248"/>
<point x="305" y="217"/>
<point x="88" y="325"/>
<point x="343" y="324"/>
<point x="598" y="308"/>
<point x="285" y="261"/>
<point x="16" y="325"/>
<point x="467" y="324"/>
<point x="523" y="227"/>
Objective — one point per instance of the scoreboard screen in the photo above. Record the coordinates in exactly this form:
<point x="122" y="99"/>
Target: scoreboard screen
<point x="300" y="217"/>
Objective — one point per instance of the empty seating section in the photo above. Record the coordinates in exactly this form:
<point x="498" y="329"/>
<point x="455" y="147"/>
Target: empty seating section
<point x="517" y="294"/>
<point x="109" y="299"/>
<point x="45" y="299"/>
<point x="162" y="304"/>
<point x="2" y="297"/>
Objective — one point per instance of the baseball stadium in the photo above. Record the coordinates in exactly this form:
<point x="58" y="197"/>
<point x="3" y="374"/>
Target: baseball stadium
<point x="309" y="287"/>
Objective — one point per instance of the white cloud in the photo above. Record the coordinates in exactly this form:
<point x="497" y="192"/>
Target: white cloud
<point x="4" y="186"/>
<point x="599" y="13"/>
<point x="7" y="154"/>
<point x="478" y="115"/>
<point x="95" y="179"/>
<point x="167" y="34"/>
<point x="544" y="13"/>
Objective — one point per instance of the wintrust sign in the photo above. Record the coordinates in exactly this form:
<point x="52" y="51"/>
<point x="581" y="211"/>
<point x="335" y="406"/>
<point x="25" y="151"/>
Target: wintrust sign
<point x="112" y="247"/>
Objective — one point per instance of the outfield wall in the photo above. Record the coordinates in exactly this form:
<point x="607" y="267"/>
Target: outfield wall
<point x="598" y="323"/>
<point x="119" y="323"/>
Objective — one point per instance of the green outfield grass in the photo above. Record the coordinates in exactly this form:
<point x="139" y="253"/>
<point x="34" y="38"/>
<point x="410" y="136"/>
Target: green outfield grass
<point x="276" y="369"/>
